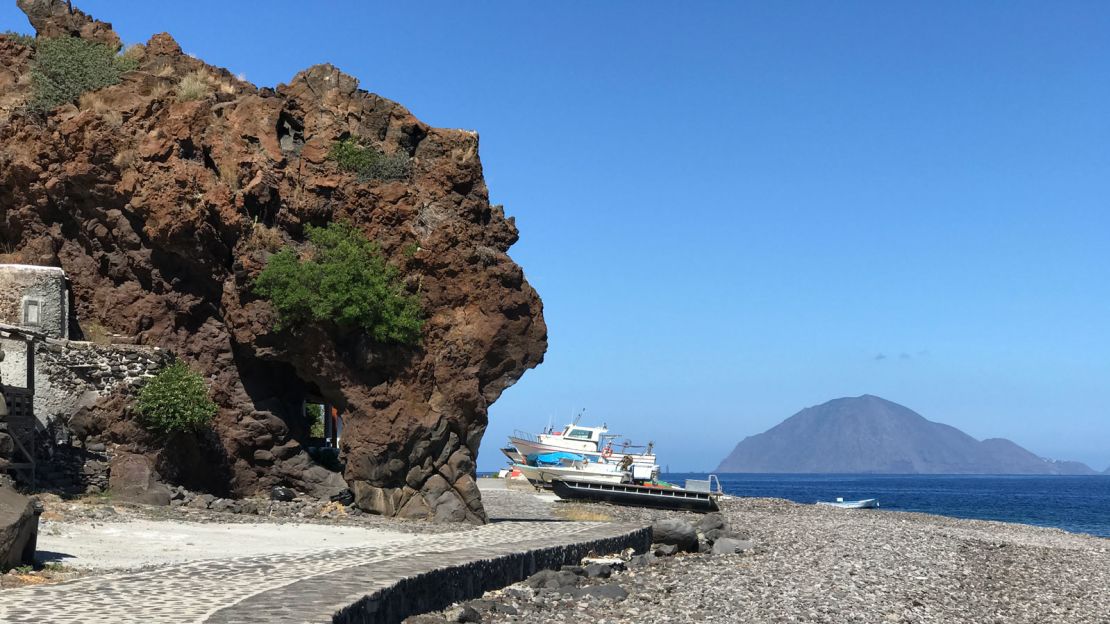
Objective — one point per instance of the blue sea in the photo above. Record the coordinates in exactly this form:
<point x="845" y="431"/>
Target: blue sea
<point x="1078" y="504"/>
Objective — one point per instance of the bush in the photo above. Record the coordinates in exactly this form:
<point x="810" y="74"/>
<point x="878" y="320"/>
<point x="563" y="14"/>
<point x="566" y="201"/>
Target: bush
<point x="66" y="67"/>
<point x="344" y="281"/>
<point x="367" y="162"/>
<point x="176" y="399"/>
<point x="315" y="414"/>
<point x="20" y="38"/>
<point x="194" y="86"/>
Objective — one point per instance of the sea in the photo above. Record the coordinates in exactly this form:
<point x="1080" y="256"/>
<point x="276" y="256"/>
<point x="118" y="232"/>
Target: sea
<point x="1080" y="504"/>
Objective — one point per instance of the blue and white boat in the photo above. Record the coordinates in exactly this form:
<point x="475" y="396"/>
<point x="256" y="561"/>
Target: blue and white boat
<point x="866" y="503"/>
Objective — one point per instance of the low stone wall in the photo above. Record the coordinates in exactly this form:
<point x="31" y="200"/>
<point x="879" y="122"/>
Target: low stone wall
<point x="71" y="375"/>
<point x="445" y="584"/>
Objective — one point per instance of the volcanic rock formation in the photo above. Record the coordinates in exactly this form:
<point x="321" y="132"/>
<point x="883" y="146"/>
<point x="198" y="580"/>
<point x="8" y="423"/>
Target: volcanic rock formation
<point x="163" y="209"/>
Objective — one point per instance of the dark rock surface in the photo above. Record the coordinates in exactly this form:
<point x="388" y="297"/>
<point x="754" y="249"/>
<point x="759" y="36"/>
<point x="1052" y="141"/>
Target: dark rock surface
<point x="162" y="212"/>
<point x="133" y="479"/>
<point x="675" y="532"/>
<point x="18" y="529"/>
<point x="868" y="434"/>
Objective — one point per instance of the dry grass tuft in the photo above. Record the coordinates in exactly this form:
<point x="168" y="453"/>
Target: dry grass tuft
<point x="230" y="177"/>
<point x="165" y="71"/>
<point x="135" y="52"/>
<point x="160" y="91"/>
<point x="96" y="333"/>
<point x="125" y="159"/>
<point x="267" y="238"/>
<point x="194" y="86"/>
<point x="97" y="104"/>
<point x="580" y="514"/>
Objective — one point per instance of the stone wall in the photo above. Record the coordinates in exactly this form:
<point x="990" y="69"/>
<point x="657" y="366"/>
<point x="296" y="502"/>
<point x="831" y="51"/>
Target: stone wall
<point x="45" y="286"/>
<point x="70" y="375"/>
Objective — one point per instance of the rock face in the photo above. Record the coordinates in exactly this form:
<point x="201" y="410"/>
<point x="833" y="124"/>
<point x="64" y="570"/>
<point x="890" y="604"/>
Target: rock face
<point x="18" y="529"/>
<point x="133" y="479"/>
<point x="162" y="212"/>
<point x="868" y="434"/>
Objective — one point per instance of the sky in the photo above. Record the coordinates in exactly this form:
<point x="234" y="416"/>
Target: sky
<point x="735" y="210"/>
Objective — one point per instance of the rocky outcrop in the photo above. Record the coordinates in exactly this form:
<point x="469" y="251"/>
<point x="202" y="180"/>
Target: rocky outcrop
<point x="19" y="524"/>
<point x="163" y="211"/>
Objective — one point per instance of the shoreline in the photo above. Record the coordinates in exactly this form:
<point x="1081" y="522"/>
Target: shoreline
<point x="818" y="564"/>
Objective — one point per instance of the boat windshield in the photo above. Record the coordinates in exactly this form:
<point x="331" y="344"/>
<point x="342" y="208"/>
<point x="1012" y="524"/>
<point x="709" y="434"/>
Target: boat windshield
<point x="584" y="434"/>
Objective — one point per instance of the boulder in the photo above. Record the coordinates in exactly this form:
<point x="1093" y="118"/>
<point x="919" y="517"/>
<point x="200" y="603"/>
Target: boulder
<point x="731" y="546"/>
<point x="665" y="550"/>
<point x="598" y="570"/>
<point x="132" y="479"/>
<point x="710" y="522"/>
<point x="550" y="579"/>
<point x="464" y="613"/>
<point x="676" y="531"/>
<point x="19" y="526"/>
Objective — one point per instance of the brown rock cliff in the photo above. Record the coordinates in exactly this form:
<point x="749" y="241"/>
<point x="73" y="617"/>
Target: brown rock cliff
<point x="163" y="211"/>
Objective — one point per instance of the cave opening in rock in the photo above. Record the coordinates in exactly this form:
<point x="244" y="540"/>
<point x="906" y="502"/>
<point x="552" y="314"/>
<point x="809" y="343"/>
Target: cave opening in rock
<point x="290" y="427"/>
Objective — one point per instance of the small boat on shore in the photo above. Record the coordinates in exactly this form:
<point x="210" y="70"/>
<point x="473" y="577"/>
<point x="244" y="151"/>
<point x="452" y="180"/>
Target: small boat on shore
<point x="867" y="503"/>
<point x="646" y="495"/>
<point x="544" y="468"/>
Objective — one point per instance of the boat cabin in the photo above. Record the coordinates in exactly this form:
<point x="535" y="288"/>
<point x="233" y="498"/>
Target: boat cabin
<point x="576" y="437"/>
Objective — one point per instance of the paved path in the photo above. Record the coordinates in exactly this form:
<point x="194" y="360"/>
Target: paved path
<point x="285" y="588"/>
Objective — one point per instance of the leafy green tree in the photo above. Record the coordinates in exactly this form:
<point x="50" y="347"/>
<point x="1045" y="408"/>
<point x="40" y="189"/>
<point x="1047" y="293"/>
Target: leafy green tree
<point x="342" y="280"/>
<point x="66" y="67"/>
<point x="176" y="399"/>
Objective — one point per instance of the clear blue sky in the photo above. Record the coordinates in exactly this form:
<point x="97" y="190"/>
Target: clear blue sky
<point x="736" y="210"/>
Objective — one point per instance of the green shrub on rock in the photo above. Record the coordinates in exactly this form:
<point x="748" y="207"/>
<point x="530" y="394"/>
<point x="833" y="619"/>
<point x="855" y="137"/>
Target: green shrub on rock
<point x="367" y="162"/>
<point x="176" y="400"/>
<point x="66" y="67"/>
<point x="20" y="38"/>
<point x="344" y="281"/>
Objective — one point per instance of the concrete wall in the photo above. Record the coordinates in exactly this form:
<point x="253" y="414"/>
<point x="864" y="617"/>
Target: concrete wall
<point x="20" y="283"/>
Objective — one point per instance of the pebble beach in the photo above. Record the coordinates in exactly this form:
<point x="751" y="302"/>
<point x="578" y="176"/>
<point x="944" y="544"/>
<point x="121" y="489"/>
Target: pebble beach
<point x="814" y="564"/>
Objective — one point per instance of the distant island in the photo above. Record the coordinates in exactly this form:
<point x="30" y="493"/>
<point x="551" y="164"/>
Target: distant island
<point x="869" y="434"/>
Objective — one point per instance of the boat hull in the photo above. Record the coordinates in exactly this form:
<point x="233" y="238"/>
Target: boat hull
<point x="634" y="495"/>
<point x="867" y="503"/>
<point x="546" y="474"/>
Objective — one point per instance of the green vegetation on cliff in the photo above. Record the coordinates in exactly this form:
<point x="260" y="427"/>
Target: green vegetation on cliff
<point x="66" y="67"/>
<point x="344" y="280"/>
<point x="367" y="162"/>
<point x="175" y="400"/>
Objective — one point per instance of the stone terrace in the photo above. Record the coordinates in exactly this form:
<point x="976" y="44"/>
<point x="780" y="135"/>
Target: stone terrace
<point x="316" y="586"/>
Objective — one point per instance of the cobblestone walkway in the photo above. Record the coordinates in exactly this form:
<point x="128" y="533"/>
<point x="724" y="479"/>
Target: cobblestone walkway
<point x="297" y="587"/>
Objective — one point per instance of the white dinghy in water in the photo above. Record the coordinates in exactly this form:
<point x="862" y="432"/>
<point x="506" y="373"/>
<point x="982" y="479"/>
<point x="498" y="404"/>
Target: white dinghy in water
<point x="867" y="503"/>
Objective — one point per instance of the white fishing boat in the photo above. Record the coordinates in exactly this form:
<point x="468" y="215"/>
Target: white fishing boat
<point x="594" y="443"/>
<point x="867" y="503"/>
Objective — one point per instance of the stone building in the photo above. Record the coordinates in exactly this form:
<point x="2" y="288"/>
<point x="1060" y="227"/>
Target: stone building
<point x="35" y="298"/>
<point x="65" y="374"/>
